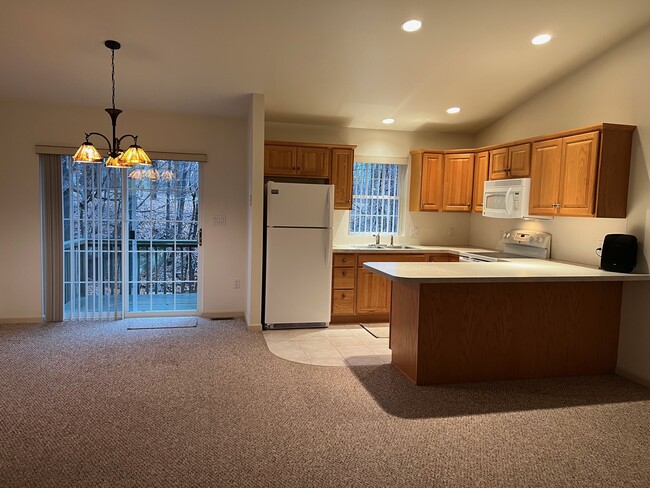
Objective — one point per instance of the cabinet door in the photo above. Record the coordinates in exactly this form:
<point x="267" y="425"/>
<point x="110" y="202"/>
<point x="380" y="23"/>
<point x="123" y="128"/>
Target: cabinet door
<point x="432" y="182"/>
<point x="279" y="160"/>
<point x="313" y="162"/>
<point x="480" y="175"/>
<point x="459" y="178"/>
<point x="578" y="177"/>
<point x="499" y="164"/>
<point x="545" y="173"/>
<point x="519" y="161"/>
<point x="342" y="163"/>
<point x="373" y="293"/>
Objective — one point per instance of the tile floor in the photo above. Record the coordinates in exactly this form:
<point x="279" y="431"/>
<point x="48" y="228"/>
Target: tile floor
<point x="338" y="345"/>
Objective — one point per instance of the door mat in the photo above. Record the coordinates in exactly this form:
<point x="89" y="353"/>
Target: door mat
<point x="149" y="323"/>
<point x="378" y="330"/>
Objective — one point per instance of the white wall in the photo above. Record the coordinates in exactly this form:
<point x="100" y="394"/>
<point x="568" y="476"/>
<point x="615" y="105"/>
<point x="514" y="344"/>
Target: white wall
<point x="24" y="125"/>
<point x="433" y="228"/>
<point x="612" y="88"/>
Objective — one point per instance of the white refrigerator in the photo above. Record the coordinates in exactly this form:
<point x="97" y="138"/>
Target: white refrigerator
<point x="298" y="257"/>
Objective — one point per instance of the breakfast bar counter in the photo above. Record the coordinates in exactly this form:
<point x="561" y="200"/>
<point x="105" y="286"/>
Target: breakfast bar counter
<point x="526" y="318"/>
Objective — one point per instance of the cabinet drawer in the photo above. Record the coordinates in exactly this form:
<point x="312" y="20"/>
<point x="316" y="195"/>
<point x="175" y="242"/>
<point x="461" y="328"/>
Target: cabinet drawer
<point x="395" y="257"/>
<point x="341" y="260"/>
<point x="342" y="302"/>
<point x="343" y="278"/>
<point x="443" y="258"/>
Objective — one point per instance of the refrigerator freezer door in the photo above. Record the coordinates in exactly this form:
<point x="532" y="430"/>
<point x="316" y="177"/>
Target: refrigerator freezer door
<point x="298" y="276"/>
<point x="299" y="205"/>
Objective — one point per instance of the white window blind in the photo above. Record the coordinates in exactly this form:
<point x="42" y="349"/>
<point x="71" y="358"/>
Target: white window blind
<point x="375" y="198"/>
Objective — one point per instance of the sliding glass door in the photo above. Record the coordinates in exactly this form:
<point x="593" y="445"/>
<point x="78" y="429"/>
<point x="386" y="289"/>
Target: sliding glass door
<point x="163" y="223"/>
<point x="155" y="213"/>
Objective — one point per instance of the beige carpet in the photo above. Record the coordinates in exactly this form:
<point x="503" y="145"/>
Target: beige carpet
<point x="92" y="404"/>
<point x="379" y="329"/>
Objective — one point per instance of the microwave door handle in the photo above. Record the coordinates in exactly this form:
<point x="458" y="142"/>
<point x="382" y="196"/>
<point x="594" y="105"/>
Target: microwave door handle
<point x="508" y="203"/>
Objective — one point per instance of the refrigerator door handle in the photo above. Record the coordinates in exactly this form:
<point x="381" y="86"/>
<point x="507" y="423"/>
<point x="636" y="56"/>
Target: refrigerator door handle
<point x="330" y="206"/>
<point x="328" y="247"/>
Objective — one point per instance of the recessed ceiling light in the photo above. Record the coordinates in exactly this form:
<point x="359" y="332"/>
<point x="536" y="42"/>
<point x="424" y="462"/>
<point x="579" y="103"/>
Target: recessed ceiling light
<point x="541" y="39"/>
<point x="453" y="110"/>
<point x="389" y="120"/>
<point x="412" y="25"/>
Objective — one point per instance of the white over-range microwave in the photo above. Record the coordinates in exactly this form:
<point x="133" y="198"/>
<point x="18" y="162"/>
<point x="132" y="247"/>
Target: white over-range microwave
<point x="507" y="199"/>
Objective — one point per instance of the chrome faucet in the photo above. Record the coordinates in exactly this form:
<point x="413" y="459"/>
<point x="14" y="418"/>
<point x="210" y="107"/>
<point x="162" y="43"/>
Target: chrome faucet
<point x="377" y="237"/>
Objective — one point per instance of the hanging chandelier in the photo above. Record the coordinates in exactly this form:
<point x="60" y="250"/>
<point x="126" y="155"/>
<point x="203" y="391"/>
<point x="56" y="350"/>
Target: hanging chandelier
<point x="117" y="158"/>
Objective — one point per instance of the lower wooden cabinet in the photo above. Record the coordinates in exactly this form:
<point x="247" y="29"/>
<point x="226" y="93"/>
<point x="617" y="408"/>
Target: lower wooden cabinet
<point x="372" y="294"/>
<point x="361" y="295"/>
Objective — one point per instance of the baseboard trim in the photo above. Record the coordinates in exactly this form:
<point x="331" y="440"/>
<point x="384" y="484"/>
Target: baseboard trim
<point x="222" y="315"/>
<point x="633" y="377"/>
<point x="255" y="327"/>
<point x="22" y="320"/>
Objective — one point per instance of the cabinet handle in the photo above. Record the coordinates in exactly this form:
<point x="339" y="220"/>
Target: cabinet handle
<point x="298" y="168"/>
<point x="343" y="274"/>
<point x="342" y="295"/>
<point x="556" y="205"/>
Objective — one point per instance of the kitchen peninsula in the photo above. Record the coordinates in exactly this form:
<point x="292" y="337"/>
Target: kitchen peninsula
<point x="527" y="318"/>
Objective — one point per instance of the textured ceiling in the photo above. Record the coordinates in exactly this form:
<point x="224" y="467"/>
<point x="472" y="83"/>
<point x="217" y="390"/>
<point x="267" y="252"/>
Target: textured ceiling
<point x="344" y="63"/>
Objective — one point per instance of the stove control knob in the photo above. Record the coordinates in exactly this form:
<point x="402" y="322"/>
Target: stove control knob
<point x="507" y="235"/>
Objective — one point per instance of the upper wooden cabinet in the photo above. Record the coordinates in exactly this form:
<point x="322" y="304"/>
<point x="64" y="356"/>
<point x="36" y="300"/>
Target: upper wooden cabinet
<point x="564" y="174"/>
<point x="510" y="162"/>
<point x="279" y="160"/>
<point x="458" y="182"/>
<point x="327" y="162"/>
<point x="303" y="161"/>
<point x="427" y="181"/>
<point x="580" y="172"/>
<point x="313" y="162"/>
<point x="342" y="163"/>
<point x="481" y="169"/>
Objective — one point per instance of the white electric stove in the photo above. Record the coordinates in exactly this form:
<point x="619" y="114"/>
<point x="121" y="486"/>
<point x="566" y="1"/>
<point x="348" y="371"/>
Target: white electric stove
<point x="517" y="244"/>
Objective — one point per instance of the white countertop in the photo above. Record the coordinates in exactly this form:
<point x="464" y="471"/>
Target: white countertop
<point x="415" y="249"/>
<point x="519" y="270"/>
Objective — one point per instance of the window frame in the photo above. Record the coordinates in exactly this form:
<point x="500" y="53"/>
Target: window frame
<point x="402" y="189"/>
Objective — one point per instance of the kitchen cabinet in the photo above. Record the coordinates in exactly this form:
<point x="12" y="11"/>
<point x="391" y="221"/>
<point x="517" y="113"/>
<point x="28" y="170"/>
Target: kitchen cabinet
<point x="427" y="171"/>
<point x="510" y="162"/>
<point x="481" y="170"/>
<point x="373" y="293"/>
<point x="458" y="182"/>
<point x="578" y="172"/>
<point x="320" y="163"/>
<point x="313" y="162"/>
<point x="443" y="258"/>
<point x="343" y="284"/>
<point x="359" y="295"/>
<point x="279" y="160"/>
<point x="564" y="176"/>
<point x="303" y="161"/>
<point x="342" y="165"/>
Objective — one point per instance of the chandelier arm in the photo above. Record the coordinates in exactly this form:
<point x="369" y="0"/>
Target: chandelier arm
<point x="135" y="139"/>
<point x="110" y="146"/>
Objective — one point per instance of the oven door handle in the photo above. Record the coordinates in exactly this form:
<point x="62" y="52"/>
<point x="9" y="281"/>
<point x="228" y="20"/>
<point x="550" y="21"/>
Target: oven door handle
<point x="508" y="201"/>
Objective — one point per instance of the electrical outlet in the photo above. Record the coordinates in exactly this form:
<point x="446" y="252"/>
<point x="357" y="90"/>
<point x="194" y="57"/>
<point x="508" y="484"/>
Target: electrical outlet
<point x="237" y="284"/>
<point x="219" y="220"/>
<point x="414" y="231"/>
